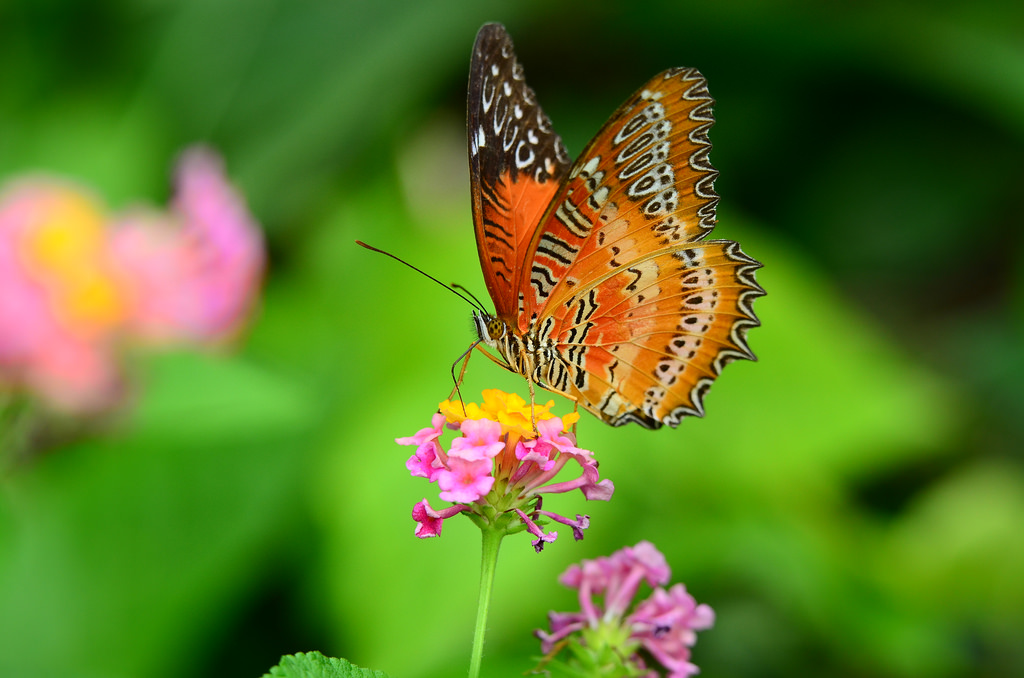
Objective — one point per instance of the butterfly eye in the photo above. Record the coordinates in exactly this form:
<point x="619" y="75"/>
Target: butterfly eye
<point x="495" y="328"/>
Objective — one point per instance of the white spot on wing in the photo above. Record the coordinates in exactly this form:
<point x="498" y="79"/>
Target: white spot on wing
<point x="487" y="93"/>
<point x="520" y="161"/>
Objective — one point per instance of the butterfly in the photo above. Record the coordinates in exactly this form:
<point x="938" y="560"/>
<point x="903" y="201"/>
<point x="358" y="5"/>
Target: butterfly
<point x="604" y="286"/>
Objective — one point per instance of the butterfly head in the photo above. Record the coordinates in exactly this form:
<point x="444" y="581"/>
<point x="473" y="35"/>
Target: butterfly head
<point x="489" y="328"/>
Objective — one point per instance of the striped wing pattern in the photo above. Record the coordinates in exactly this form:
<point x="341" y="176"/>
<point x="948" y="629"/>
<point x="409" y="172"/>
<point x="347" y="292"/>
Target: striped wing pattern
<point x="621" y="302"/>
<point x="646" y="343"/>
<point x="516" y="161"/>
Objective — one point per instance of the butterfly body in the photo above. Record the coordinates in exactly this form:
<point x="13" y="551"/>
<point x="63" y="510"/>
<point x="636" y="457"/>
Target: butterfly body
<point x="604" y="286"/>
<point x="532" y="353"/>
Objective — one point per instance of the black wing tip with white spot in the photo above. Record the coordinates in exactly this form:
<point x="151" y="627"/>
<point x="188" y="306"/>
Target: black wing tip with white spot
<point x="508" y="131"/>
<point x="639" y="418"/>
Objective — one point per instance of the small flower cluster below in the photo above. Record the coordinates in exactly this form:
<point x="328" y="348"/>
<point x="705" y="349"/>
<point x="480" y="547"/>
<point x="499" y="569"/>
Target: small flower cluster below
<point x="506" y="456"/>
<point x="611" y="636"/>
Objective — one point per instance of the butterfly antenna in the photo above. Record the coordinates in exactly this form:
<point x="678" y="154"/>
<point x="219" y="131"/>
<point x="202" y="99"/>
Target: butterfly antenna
<point x="479" y="305"/>
<point x="472" y="302"/>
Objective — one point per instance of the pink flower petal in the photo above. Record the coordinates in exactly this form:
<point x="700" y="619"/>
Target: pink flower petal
<point x="425" y="463"/>
<point x="429" y="520"/>
<point x="195" y="271"/>
<point x="465" y="481"/>
<point x="481" y="440"/>
<point x="666" y="624"/>
<point x="425" y="435"/>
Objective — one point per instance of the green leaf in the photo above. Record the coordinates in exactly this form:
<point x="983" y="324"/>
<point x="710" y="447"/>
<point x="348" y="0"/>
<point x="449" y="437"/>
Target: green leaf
<point x="315" y="665"/>
<point x="124" y="553"/>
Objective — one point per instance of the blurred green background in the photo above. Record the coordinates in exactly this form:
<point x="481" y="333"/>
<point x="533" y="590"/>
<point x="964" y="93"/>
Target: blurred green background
<point x="852" y="505"/>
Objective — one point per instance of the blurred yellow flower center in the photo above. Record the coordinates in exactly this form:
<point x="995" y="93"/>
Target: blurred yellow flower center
<point x="66" y="252"/>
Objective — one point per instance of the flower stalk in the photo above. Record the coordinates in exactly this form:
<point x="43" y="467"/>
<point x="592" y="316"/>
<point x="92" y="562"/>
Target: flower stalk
<point x="488" y="565"/>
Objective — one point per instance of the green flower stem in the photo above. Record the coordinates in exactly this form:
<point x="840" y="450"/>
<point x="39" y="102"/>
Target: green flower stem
<point x="15" y="418"/>
<point x="492" y="536"/>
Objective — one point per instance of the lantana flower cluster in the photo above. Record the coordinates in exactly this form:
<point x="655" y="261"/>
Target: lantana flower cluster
<point x="505" y="457"/>
<point x="79" y="285"/>
<point x="610" y="634"/>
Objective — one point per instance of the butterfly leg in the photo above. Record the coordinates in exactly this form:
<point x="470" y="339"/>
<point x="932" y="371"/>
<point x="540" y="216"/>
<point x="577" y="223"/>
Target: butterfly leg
<point x="533" y="416"/>
<point x="465" y="363"/>
<point x="465" y="356"/>
<point x="462" y="373"/>
<point x="496" y="361"/>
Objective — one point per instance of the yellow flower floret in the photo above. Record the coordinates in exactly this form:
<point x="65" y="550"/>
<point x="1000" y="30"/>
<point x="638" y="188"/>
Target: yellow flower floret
<point x="508" y="409"/>
<point x="66" y="253"/>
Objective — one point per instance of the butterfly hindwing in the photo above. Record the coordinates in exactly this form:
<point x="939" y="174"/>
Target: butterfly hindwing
<point x="646" y="343"/>
<point x="517" y="163"/>
<point x="642" y="312"/>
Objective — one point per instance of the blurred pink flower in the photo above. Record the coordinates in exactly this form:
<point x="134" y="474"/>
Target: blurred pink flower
<point x="77" y="285"/>
<point x="193" y="271"/>
<point x="60" y="306"/>
<point x="664" y="624"/>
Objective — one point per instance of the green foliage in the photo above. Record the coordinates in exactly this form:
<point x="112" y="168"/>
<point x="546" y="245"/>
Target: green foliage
<point x="315" y="665"/>
<point x="118" y="549"/>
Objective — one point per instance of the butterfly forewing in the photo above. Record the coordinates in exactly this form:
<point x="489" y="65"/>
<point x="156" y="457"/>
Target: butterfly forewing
<point x="642" y="313"/>
<point x="643" y="184"/>
<point x="517" y="163"/>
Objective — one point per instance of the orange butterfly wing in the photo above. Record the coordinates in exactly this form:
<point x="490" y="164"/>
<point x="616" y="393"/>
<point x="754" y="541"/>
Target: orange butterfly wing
<point x="641" y="312"/>
<point x="516" y="163"/>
